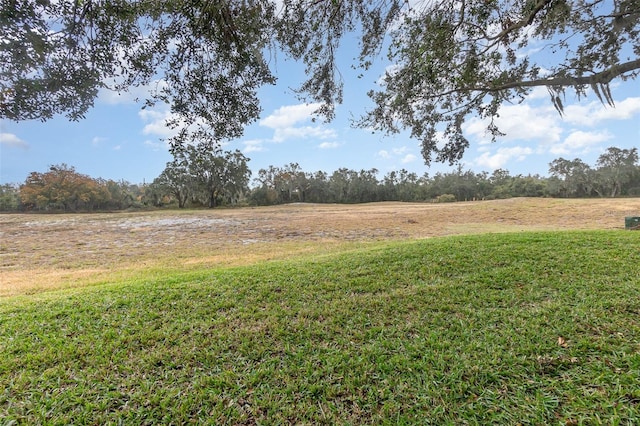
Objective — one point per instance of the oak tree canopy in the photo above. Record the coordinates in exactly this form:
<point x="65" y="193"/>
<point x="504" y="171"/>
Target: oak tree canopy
<point x="206" y="59"/>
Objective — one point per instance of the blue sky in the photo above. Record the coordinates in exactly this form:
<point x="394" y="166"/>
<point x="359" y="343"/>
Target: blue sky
<point x="117" y="140"/>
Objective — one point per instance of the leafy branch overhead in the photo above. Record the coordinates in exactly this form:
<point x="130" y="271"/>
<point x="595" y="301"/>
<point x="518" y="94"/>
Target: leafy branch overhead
<point x="207" y="59"/>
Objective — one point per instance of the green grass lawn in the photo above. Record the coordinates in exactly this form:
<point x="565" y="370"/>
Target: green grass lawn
<point x="530" y="328"/>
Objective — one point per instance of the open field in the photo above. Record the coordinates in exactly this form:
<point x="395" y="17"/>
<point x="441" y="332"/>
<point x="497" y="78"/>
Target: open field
<point x="41" y="252"/>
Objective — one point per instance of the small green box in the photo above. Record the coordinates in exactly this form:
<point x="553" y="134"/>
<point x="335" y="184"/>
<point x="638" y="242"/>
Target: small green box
<point x="632" y="222"/>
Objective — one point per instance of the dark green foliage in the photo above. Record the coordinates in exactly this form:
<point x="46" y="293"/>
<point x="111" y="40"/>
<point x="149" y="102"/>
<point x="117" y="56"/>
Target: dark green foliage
<point x="617" y="174"/>
<point x="9" y="197"/>
<point x="205" y="175"/>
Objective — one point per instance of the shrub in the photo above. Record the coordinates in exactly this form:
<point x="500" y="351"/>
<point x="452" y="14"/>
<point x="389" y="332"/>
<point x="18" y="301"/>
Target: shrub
<point x="446" y="198"/>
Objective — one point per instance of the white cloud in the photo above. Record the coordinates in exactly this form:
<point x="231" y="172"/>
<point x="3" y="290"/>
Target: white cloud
<point x="282" y="134"/>
<point x="328" y="145"/>
<point x="155" y="145"/>
<point x="400" y="150"/>
<point x="538" y="93"/>
<point x="283" y="121"/>
<point x="156" y="122"/>
<point x="409" y="158"/>
<point x="111" y="97"/>
<point x="580" y="142"/>
<point x="97" y="140"/>
<point x="288" y="115"/>
<point x="390" y="70"/>
<point x="11" y="140"/>
<point x="130" y="96"/>
<point x="400" y="154"/>
<point x="279" y="6"/>
<point x="526" y="53"/>
<point x="254" y="145"/>
<point x="519" y="122"/>
<point x="502" y="156"/>
<point x="441" y="142"/>
<point x="593" y="113"/>
<point x="383" y="153"/>
<point x="543" y="123"/>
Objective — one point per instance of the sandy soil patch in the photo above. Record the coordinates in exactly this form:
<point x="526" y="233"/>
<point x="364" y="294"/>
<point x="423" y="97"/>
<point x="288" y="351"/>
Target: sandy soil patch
<point x="39" y="252"/>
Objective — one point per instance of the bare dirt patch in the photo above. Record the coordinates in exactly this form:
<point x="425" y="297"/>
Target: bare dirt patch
<point x="40" y="252"/>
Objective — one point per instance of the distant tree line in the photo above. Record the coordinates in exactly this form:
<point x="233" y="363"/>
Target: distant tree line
<point x="201" y="177"/>
<point x="617" y="174"/>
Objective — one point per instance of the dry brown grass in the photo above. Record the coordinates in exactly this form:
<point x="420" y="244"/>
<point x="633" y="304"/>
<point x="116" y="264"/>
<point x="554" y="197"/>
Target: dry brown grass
<point x="42" y="252"/>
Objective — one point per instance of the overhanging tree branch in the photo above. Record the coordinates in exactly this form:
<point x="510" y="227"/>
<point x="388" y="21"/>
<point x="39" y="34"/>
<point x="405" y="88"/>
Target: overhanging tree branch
<point x="528" y="20"/>
<point x="602" y="77"/>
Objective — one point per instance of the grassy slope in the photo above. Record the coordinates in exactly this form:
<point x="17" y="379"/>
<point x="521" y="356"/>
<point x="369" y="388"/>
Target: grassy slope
<point x="535" y="328"/>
